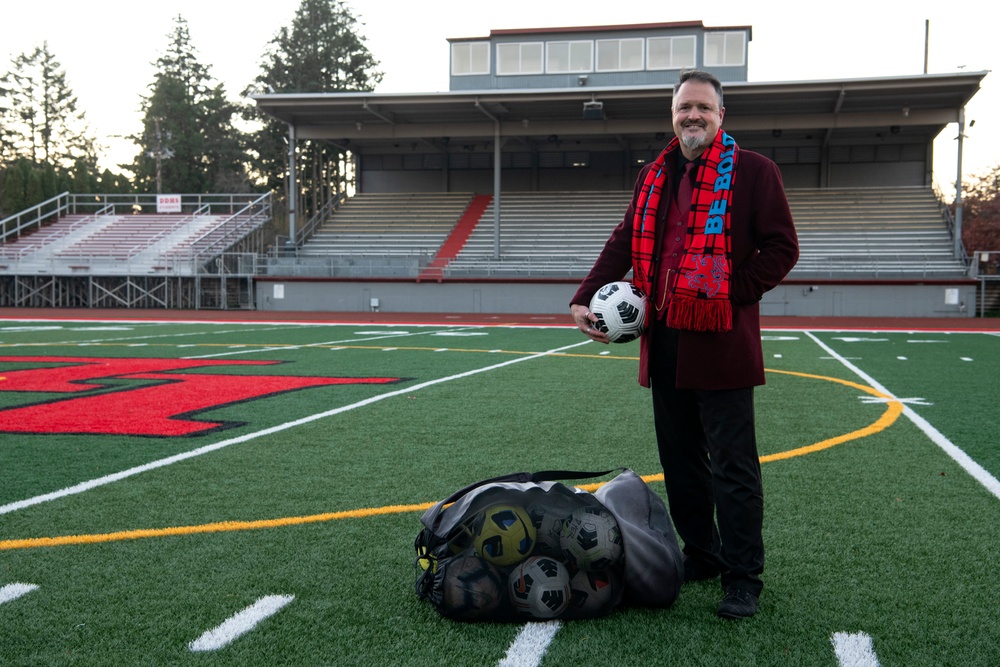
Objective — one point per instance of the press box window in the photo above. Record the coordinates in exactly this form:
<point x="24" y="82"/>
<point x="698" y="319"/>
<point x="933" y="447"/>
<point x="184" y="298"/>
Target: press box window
<point x="670" y="52"/>
<point x="468" y="58"/>
<point x="519" y="58"/>
<point x="725" y="49"/>
<point x="562" y="57"/>
<point x="617" y="55"/>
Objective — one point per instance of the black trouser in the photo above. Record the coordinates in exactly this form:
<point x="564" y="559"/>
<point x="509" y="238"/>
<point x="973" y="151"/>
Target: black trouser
<point x="708" y="450"/>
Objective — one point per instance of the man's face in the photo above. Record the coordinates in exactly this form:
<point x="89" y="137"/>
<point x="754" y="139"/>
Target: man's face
<point x="697" y="116"/>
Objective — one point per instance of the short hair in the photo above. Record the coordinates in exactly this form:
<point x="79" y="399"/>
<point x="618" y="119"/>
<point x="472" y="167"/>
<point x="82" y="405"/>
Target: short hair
<point x="703" y="77"/>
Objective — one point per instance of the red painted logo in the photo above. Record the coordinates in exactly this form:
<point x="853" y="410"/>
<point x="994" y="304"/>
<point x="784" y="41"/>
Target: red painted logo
<point x="153" y="397"/>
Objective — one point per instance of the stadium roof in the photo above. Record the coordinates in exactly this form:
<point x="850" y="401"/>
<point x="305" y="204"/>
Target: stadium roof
<point x="817" y="112"/>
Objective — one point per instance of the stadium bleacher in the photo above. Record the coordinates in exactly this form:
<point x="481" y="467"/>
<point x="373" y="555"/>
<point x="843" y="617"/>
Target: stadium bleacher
<point x="890" y="232"/>
<point x="872" y="232"/>
<point x="542" y="234"/>
<point x="385" y="224"/>
<point x="854" y="233"/>
<point x="108" y="242"/>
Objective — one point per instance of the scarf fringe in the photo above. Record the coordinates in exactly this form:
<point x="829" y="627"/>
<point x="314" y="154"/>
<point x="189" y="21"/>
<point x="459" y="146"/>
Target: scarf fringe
<point x="692" y="314"/>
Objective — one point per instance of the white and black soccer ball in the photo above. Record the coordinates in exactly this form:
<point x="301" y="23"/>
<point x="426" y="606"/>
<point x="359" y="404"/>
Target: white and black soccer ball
<point x="594" y="594"/>
<point x="591" y="539"/>
<point x="621" y="311"/>
<point x="547" y="516"/>
<point x="539" y="587"/>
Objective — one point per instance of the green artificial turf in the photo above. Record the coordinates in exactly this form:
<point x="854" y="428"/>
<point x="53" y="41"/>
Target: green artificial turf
<point x="882" y="533"/>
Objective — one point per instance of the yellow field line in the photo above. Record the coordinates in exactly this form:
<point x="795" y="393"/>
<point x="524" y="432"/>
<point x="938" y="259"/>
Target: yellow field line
<point x="220" y="527"/>
<point x="893" y="410"/>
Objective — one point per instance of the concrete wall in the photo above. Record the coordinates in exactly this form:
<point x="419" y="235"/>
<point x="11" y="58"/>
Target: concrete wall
<point x="413" y="297"/>
<point x="939" y="299"/>
<point x="796" y="298"/>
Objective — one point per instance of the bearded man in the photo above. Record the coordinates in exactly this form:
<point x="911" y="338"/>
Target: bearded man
<point x="707" y="233"/>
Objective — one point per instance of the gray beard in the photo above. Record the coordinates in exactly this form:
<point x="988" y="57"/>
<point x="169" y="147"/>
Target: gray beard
<point x="692" y="142"/>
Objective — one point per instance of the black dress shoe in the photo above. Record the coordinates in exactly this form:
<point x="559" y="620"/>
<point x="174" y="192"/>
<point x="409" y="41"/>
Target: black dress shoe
<point x="737" y="603"/>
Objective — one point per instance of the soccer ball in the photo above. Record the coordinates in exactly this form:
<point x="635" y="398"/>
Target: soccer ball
<point x="591" y="539"/>
<point x="471" y="588"/>
<point x="539" y="587"/>
<point x="621" y="311"/>
<point x="594" y="593"/>
<point x="504" y="534"/>
<point x="547" y="518"/>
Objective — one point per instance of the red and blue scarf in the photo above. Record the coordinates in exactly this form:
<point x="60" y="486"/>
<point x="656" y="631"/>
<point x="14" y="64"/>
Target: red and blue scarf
<point x="698" y="293"/>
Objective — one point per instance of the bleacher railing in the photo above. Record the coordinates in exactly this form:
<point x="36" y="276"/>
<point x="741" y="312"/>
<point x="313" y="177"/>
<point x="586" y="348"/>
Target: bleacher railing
<point x="231" y="231"/>
<point x="243" y="214"/>
<point x="325" y="211"/>
<point x="21" y="223"/>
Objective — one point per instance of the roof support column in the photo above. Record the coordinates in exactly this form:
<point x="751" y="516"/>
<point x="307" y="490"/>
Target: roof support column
<point x="959" y="248"/>
<point x="293" y="190"/>
<point x="496" y="190"/>
<point x="496" y="179"/>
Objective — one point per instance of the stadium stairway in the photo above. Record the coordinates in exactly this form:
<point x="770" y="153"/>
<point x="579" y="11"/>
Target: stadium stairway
<point x="459" y="236"/>
<point x="389" y="224"/>
<point x="544" y="234"/>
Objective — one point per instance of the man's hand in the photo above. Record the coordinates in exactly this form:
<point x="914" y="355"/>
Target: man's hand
<point x="586" y="320"/>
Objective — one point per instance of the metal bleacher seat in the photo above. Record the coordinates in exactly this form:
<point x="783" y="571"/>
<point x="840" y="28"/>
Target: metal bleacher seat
<point x="892" y="232"/>
<point x="112" y="243"/>
<point x="542" y="234"/>
<point x="388" y="224"/>
<point x="872" y="232"/>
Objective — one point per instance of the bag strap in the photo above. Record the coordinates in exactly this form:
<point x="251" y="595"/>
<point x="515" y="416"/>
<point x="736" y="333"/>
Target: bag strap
<point x="430" y="517"/>
<point x="522" y="477"/>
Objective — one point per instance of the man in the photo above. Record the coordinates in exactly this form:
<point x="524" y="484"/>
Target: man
<point x="704" y="266"/>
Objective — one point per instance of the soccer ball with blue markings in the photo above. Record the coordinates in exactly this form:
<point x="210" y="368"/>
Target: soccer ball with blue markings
<point x="504" y="534"/>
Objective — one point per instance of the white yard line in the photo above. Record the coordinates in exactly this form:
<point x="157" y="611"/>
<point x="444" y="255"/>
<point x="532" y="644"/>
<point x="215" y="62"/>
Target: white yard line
<point x="240" y="623"/>
<point x="530" y="645"/>
<point x="977" y="471"/>
<point x="391" y="335"/>
<point x="170" y="460"/>
<point x="11" y="592"/>
<point x="854" y="649"/>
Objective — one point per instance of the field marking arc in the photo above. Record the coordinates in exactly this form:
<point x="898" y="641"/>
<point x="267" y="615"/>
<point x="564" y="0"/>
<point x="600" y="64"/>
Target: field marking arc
<point x="892" y="412"/>
<point x="978" y="472"/>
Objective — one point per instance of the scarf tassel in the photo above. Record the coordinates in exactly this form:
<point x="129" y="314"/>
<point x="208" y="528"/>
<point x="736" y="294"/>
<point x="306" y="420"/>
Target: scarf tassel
<point x="693" y="314"/>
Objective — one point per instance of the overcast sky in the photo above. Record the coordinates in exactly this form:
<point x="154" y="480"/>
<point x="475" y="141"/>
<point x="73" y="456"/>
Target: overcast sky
<point x="107" y="47"/>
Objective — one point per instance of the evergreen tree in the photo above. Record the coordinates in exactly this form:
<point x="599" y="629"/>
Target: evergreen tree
<point x="40" y="118"/>
<point x="24" y="183"/>
<point x="322" y="52"/>
<point x="189" y="143"/>
<point x="6" y="128"/>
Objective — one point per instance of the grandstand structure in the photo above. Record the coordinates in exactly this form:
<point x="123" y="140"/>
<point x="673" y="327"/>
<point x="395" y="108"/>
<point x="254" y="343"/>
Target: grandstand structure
<point x="118" y="251"/>
<point x="497" y="195"/>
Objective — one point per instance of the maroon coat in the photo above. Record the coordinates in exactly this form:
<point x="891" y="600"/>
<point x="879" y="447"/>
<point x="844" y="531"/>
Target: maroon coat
<point x="765" y="248"/>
